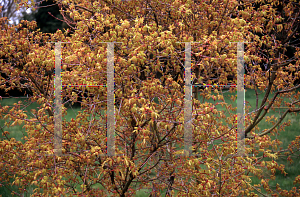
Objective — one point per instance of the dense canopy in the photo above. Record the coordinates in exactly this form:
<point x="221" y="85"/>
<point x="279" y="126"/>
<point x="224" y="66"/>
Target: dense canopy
<point x="149" y="88"/>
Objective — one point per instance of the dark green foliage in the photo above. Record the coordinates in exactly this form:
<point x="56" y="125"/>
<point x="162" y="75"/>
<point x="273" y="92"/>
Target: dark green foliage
<point x="47" y="17"/>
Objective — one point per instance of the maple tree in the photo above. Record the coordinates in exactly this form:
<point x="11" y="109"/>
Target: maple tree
<point x="149" y="91"/>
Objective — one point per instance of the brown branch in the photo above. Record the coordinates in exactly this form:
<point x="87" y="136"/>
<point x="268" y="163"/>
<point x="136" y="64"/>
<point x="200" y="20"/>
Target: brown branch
<point x="269" y="106"/>
<point x="255" y="121"/>
<point x="41" y="91"/>
<point x="274" y="126"/>
<point x="154" y="14"/>
<point x="295" y="30"/>
<point x="86" y="9"/>
<point x="258" y="191"/>
<point x="280" y="120"/>
<point x="218" y="28"/>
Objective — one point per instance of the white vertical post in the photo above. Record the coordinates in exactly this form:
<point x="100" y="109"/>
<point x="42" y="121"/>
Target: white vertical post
<point x="240" y="100"/>
<point x="188" y="134"/>
<point x="110" y="100"/>
<point x="58" y="102"/>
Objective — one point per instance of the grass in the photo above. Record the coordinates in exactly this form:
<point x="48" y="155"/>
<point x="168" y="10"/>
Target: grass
<point x="286" y="137"/>
<point x="286" y="182"/>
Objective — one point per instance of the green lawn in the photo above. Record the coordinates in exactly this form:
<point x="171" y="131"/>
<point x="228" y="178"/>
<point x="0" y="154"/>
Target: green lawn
<point x="286" y="182"/>
<point x="292" y="170"/>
